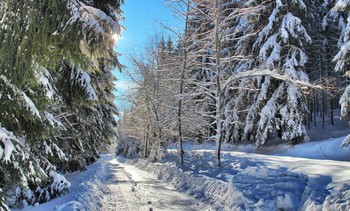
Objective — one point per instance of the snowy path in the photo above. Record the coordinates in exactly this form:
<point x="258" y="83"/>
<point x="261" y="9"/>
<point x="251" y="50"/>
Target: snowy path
<point x="129" y="188"/>
<point x="110" y="185"/>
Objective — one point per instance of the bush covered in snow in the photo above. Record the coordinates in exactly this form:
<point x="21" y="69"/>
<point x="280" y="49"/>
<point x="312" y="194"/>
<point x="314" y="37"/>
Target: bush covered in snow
<point x="128" y="147"/>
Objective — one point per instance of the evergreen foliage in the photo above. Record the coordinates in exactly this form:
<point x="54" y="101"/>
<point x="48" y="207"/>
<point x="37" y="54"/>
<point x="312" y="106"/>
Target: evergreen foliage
<point x="342" y="57"/>
<point x="56" y="102"/>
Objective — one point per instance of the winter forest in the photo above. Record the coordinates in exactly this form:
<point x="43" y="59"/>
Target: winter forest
<point x="240" y="73"/>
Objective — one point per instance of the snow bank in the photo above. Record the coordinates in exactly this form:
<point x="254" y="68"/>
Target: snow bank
<point x="255" y="182"/>
<point x="330" y="149"/>
<point x="90" y="190"/>
<point x="243" y="184"/>
<point x="86" y="189"/>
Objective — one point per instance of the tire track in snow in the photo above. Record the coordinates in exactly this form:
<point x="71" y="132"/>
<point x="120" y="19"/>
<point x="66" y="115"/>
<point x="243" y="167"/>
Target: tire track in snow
<point x="118" y="195"/>
<point x="128" y="188"/>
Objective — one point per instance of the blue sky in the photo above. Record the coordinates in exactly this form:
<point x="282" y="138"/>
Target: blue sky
<point x="142" y="20"/>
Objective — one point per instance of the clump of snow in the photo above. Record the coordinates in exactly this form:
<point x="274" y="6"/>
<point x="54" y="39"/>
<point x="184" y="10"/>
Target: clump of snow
<point x="291" y="25"/>
<point x="9" y="148"/>
<point x="84" y="81"/>
<point x="93" y="18"/>
<point x="287" y="202"/>
<point x="25" y="100"/>
<point x="341" y="5"/>
<point x="91" y="15"/>
<point x="60" y="184"/>
<point x="345" y="103"/>
<point x="31" y="106"/>
<point x="54" y="122"/>
<point x="5" y="138"/>
<point x="43" y="76"/>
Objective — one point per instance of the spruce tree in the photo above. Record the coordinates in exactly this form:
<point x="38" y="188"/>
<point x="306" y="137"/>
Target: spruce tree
<point x="56" y="86"/>
<point x="342" y="57"/>
<point x="279" y="107"/>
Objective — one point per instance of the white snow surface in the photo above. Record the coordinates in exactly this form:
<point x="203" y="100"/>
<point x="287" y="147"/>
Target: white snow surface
<point x="310" y="176"/>
<point x="5" y="139"/>
<point x="283" y="180"/>
<point x="109" y="184"/>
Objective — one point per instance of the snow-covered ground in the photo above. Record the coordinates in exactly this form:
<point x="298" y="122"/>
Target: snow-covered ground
<point x="310" y="176"/>
<point x="111" y="185"/>
<point x="302" y="177"/>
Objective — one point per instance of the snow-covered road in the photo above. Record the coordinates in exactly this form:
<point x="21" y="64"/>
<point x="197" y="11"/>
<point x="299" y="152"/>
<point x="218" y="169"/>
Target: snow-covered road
<point x="110" y="185"/>
<point x="128" y="188"/>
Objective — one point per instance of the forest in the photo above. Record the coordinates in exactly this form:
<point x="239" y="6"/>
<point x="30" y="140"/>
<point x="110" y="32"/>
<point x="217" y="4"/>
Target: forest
<point x="240" y="71"/>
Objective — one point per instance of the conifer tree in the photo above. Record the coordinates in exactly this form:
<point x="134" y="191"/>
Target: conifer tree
<point x="279" y="106"/>
<point x="342" y="57"/>
<point x="55" y="72"/>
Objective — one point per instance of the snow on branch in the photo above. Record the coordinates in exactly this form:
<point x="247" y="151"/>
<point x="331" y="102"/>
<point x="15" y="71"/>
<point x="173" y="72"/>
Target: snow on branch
<point x="274" y="74"/>
<point x="83" y="79"/>
<point x="341" y="5"/>
<point x="341" y="57"/>
<point x="54" y="121"/>
<point x="345" y="103"/>
<point x="31" y="106"/>
<point x="291" y="25"/>
<point x="346" y="141"/>
<point x="23" y="98"/>
<point x="93" y="18"/>
<point x="44" y="77"/>
<point x="5" y="138"/>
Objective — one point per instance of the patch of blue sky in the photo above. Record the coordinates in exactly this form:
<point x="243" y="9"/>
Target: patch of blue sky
<point x="143" y="19"/>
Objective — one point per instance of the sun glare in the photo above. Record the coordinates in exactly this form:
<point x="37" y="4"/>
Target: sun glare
<point x="116" y="37"/>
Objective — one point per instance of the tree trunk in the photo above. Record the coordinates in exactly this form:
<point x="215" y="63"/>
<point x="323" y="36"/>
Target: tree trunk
<point x="315" y="109"/>
<point x="146" y="141"/>
<point x="323" y="111"/>
<point x="218" y="106"/>
<point x="180" y="150"/>
<point x="331" y="112"/>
